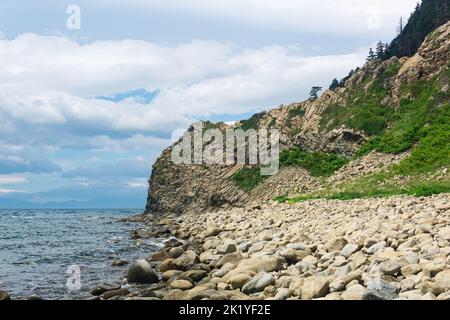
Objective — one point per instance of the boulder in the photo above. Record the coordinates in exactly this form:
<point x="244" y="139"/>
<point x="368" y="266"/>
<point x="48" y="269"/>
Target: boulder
<point x="378" y="289"/>
<point x="211" y="231"/>
<point x="239" y="280"/>
<point x="175" y="252"/>
<point x="354" y="292"/>
<point x="315" y="287"/>
<point x="141" y="272"/>
<point x="115" y="293"/>
<point x="186" y="260"/>
<point x="335" y="244"/>
<point x="349" y="249"/>
<point x="101" y="288"/>
<point x="258" y="283"/>
<point x="181" y="284"/>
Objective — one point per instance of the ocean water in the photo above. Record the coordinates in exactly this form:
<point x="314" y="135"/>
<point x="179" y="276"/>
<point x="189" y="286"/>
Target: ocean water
<point x="39" y="247"/>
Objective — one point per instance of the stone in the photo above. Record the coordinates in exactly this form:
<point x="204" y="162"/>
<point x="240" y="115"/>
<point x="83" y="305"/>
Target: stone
<point x="101" y="288"/>
<point x="349" y="249"/>
<point x="119" y="263"/>
<point x="390" y="268"/>
<point x="282" y="294"/>
<point x="186" y="260"/>
<point x="141" y="272"/>
<point x="411" y="269"/>
<point x="296" y="285"/>
<point x="211" y="231"/>
<point x="376" y="247"/>
<point x="315" y="287"/>
<point x="335" y="244"/>
<point x="358" y="259"/>
<point x="340" y="283"/>
<point x="378" y="289"/>
<point x="4" y="296"/>
<point x="293" y="256"/>
<point x="196" y="275"/>
<point x="227" y="247"/>
<point x="355" y="292"/>
<point x="171" y="274"/>
<point x="442" y="281"/>
<point x="167" y="265"/>
<point x="407" y="285"/>
<point x="115" y="293"/>
<point x="258" y="283"/>
<point x="175" y="252"/>
<point x="175" y="294"/>
<point x="232" y="258"/>
<point x="239" y="280"/>
<point x="181" y="284"/>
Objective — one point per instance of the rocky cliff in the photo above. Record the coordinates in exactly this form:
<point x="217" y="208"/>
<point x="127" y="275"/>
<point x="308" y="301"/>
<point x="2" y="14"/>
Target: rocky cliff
<point x="381" y="116"/>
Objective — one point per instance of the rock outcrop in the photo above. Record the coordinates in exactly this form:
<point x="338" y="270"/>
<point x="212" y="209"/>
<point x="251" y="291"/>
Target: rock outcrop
<point x="195" y="188"/>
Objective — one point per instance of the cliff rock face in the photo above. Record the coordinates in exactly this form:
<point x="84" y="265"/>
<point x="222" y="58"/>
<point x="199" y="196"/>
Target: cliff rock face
<point x="327" y="124"/>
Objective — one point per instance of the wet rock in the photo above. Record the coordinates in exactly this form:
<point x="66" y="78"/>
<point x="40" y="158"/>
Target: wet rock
<point x="115" y="293"/>
<point x="175" y="252"/>
<point x="101" y="288"/>
<point x="119" y="263"/>
<point x="141" y="272"/>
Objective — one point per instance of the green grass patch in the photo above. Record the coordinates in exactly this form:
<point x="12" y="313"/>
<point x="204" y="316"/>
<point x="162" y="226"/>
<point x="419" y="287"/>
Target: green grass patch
<point x="319" y="164"/>
<point x="248" y="178"/>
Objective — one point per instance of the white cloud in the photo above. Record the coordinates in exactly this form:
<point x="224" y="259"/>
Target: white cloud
<point x="12" y="179"/>
<point x="9" y="191"/>
<point x="137" y="184"/>
<point x="327" y="16"/>
<point x="54" y="85"/>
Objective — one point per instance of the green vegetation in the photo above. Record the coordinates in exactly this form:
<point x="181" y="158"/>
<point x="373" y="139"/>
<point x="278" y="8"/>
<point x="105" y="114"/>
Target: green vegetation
<point x="421" y="123"/>
<point x="253" y="122"/>
<point x="427" y="16"/>
<point x="248" y="178"/>
<point x="364" y="110"/>
<point x="318" y="164"/>
<point x="297" y="112"/>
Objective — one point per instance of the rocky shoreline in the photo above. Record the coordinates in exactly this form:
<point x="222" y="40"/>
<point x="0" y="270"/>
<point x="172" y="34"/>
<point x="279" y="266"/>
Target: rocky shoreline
<point x="394" y="249"/>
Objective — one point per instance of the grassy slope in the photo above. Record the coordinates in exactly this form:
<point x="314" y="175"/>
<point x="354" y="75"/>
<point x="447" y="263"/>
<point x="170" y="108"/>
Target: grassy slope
<point x="421" y="123"/>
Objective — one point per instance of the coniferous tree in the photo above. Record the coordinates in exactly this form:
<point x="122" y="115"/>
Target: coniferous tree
<point x="380" y="50"/>
<point x="426" y="17"/>
<point x="334" y="84"/>
<point x="372" y="56"/>
<point x="314" y="92"/>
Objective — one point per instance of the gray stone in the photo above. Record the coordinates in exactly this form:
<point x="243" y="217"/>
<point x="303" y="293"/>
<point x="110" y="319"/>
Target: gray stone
<point x="349" y="249"/>
<point x="141" y="272"/>
<point x="378" y="289"/>
<point x="258" y="283"/>
<point x="98" y="290"/>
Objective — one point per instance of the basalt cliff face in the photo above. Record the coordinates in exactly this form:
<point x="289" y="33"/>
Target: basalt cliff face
<point x="368" y="121"/>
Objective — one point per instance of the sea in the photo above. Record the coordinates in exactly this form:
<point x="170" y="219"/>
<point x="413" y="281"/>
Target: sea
<point x="63" y="254"/>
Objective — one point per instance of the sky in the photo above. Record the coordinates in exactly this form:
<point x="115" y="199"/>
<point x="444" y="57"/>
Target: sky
<point x="91" y="91"/>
